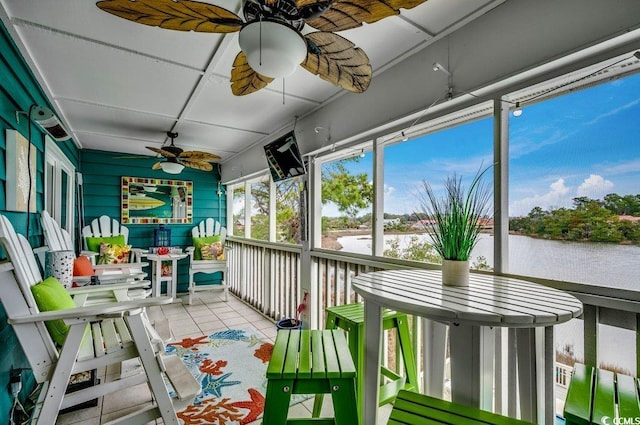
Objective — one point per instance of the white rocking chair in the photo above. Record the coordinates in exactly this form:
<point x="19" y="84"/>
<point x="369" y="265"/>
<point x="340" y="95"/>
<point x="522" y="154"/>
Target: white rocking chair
<point x="208" y="227"/>
<point x="98" y="336"/>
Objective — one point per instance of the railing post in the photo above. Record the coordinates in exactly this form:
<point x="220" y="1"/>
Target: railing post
<point x="637" y="344"/>
<point x="591" y="318"/>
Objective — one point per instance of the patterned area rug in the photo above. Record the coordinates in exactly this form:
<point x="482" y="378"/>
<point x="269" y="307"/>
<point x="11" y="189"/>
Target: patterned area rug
<point x="230" y="366"/>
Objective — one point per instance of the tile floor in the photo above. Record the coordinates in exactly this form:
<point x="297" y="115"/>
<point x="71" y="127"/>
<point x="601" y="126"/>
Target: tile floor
<point x="207" y="314"/>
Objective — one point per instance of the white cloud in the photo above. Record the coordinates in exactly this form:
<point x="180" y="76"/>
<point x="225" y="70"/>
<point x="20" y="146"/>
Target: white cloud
<point x="389" y="190"/>
<point x="613" y="112"/>
<point x="554" y="198"/>
<point x="560" y="195"/>
<point x="595" y="187"/>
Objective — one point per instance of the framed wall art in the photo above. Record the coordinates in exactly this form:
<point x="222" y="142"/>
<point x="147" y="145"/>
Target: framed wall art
<point x="162" y="201"/>
<point x="21" y="173"/>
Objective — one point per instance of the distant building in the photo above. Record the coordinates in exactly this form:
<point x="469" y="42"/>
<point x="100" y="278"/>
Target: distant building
<point x="630" y="218"/>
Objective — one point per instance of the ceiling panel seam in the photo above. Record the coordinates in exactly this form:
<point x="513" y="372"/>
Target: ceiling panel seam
<point x="25" y="23"/>
<point x="113" y="107"/>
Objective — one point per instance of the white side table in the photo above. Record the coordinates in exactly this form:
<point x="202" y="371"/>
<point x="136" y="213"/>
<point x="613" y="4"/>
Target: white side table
<point x="156" y="273"/>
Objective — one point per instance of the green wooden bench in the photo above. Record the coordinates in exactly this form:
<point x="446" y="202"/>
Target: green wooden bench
<point x="311" y="362"/>
<point x="417" y="409"/>
<point x="598" y="396"/>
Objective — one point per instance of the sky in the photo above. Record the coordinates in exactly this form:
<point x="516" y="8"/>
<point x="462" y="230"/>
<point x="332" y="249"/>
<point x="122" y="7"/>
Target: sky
<point x="586" y="143"/>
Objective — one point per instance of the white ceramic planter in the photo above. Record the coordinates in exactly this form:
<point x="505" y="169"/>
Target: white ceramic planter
<point x="455" y="273"/>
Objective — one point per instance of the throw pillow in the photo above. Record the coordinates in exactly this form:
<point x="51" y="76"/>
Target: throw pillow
<point x="50" y="295"/>
<point x="82" y="266"/>
<point x="199" y="242"/>
<point x="212" y="251"/>
<point x="93" y="244"/>
<point x="114" y="254"/>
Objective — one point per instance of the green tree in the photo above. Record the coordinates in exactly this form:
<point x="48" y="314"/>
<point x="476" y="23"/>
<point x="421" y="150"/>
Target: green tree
<point x="589" y="220"/>
<point x="350" y="192"/>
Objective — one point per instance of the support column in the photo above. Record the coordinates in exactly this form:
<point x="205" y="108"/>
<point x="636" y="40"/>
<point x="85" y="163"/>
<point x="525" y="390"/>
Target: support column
<point x="500" y="186"/>
<point x="378" y="198"/>
<point x="471" y="349"/>
<point x="527" y="374"/>
<point x="313" y="239"/>
<point x="434" y="336"/>
<point x="512" y="373"/>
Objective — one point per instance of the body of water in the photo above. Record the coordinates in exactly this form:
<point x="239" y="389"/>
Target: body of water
<point x="609" y="265"/>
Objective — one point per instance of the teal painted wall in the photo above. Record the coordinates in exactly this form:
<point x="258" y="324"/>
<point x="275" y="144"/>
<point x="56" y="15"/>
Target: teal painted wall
<point x="101" y="175"/>
<point x="19" y="90"/>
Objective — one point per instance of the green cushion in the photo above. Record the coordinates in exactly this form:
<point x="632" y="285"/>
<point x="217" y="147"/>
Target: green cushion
<point x="198" y="242"/>
<point x="93" y="244"/>
<point x="50" y="295"/>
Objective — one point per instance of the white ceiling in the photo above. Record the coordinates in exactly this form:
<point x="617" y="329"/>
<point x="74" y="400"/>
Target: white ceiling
<point x="120" y="86"/>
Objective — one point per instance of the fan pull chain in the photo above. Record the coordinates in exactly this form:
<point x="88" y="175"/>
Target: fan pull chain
<point x="260" y="40"/>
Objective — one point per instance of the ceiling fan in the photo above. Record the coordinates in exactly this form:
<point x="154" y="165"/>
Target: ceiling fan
<point x="271" y="40"/>
<point x="177" y="159"/>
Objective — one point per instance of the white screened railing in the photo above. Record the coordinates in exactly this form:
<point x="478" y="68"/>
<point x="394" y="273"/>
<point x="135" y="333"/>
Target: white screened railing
<point x="563" y="374"/>
<point x="265" y="275"/>
<point x="268" y="276"/>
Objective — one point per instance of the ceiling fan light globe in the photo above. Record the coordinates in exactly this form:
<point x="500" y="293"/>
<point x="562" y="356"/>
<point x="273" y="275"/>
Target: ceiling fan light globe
<point x="172" y="167"/>
<point x="273" y="49"/>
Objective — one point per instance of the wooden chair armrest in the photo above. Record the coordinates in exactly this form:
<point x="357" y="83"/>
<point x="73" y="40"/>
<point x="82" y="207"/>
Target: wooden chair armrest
<point x="92" y="255"/>
<point x="91" y="313"/>
<point x="87" y="253"/>
<point x="136" y="265"/>
<point x="107" y="288"/>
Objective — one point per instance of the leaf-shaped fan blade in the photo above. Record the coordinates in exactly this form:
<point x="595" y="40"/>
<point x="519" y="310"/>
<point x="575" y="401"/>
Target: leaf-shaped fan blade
<point x="244" y="80"/>
<point x="157" y="166"/>
<point x="198" y="165"/>
<point x="180" y="15"/>
<point x="347" y="14"/>
<point x="337" y="60"/>
<point x="162" y="152"/>
<point x="199" y="156"/>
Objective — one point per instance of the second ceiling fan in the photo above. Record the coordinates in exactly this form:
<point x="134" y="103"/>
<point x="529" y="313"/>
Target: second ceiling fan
<point x="271" y="39"/>
<point x="177" y="158"/>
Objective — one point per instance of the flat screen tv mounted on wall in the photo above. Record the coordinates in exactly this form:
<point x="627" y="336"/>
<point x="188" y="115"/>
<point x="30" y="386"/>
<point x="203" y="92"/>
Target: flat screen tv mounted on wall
<point x="284" y="158"/>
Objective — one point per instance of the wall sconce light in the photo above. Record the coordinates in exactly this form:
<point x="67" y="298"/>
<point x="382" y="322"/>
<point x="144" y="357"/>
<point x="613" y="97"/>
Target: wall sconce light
<point x="438" y="67"/>
<point x="46" y="119"/>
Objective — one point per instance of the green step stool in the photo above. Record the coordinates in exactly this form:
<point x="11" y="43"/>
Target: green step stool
<point x="350" y="317"/>
<point x="310" y="362"/>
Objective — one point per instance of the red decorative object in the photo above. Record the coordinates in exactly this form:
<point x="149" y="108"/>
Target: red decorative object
<point x="163" y="250"/>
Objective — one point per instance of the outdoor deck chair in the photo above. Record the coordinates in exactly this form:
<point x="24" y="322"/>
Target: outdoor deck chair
<point x="107" y="229"/>
<point x="207" y="255"/>
<point x="58" y="239"/>
<point x="97" y="336"/>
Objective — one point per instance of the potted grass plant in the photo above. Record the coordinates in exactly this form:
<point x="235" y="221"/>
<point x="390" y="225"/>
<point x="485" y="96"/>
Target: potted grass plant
<point x="453" y="221"/>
